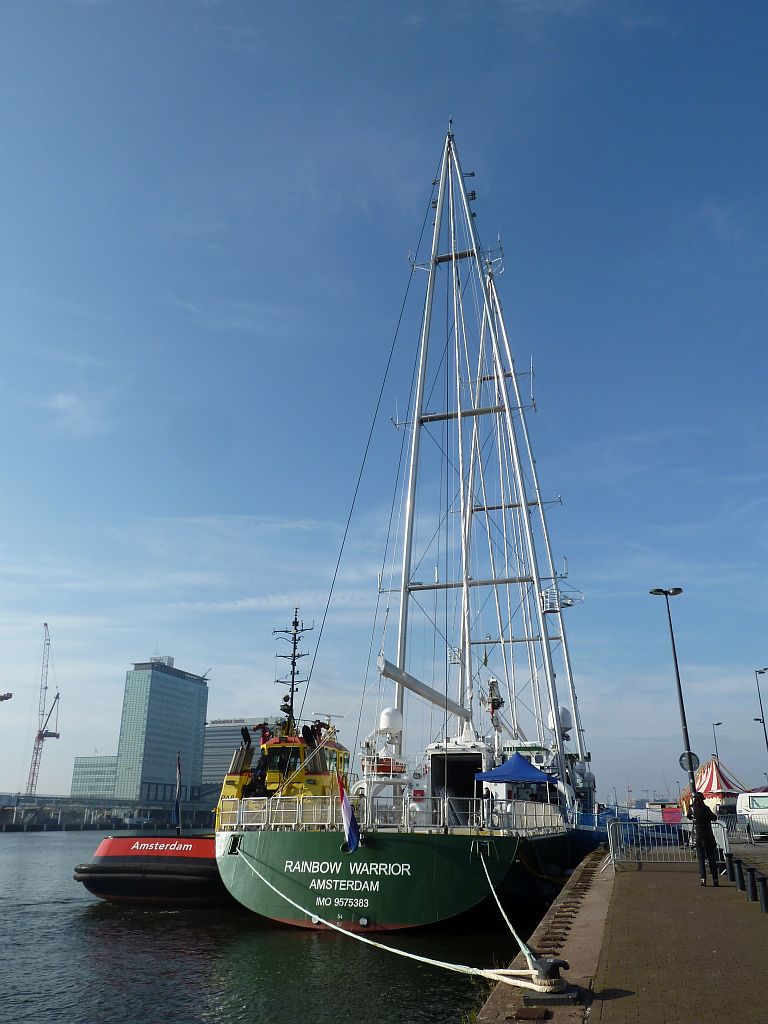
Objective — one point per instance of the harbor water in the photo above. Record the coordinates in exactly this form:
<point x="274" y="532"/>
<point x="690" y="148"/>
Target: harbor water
<point x="70" y="958"/>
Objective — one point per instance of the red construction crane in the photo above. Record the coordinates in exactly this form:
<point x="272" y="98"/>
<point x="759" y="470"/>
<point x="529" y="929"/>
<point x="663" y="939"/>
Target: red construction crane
<point x="43" y="732"/>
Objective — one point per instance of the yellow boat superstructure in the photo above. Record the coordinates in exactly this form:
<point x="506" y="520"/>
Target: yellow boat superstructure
<point x="290" y="765"/>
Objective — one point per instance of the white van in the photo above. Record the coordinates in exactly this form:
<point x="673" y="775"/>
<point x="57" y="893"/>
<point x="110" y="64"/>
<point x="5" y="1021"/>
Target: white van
<point x="754" y="809"/>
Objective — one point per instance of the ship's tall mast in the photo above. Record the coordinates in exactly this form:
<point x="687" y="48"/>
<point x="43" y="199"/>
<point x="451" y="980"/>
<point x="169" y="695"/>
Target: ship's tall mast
<point x="293" y="637"/>
<point x="499" y="512"/>
<point x="418" y="407"/>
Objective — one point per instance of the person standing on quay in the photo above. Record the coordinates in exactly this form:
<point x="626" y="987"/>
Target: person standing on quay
<point x="703" y="838"/>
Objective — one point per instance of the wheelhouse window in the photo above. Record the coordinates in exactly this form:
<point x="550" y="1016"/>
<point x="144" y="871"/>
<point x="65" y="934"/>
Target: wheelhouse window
<point x="317" y="760"/>
<point x="283" y="759"/>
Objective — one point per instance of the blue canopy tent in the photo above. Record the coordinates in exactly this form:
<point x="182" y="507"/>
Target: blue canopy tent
<point x="516" y="769"/>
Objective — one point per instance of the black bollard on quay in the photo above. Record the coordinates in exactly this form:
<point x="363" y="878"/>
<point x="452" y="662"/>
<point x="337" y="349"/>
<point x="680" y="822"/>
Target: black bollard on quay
<point x="739" y="870"/>
<point x="762" y="892"/>
<point x="729" y="867"/>
<point x="751" y="884"/>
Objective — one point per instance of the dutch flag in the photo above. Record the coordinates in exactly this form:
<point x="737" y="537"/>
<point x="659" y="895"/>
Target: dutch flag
<point x="351" y="828"/>
<point x="176" y="813"/>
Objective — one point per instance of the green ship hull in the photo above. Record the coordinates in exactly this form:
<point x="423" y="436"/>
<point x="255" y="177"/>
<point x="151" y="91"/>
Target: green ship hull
<point x="394" y="881"/>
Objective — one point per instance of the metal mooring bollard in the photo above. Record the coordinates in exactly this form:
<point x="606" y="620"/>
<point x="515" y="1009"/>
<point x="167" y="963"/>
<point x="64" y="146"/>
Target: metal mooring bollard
<point x="739" y="869"/>
<point x="729" y="867"/>
<point x="751" y="884"/>
<point x="762" y="892"/>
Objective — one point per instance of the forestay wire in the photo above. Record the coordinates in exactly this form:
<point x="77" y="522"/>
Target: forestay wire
<point x="374" y="420"/>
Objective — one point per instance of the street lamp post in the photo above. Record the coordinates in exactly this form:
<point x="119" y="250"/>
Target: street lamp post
<point x="714" y="734"/>
<point x="666" y="594"/>
<point x="760" y="672"/>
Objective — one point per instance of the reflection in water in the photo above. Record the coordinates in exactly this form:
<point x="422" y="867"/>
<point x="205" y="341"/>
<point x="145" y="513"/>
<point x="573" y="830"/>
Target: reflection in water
<point x="230" y="967"/>
<point x="91" y="961"/>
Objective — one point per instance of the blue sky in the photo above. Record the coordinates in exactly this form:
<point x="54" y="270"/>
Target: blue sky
<point x="205" y="215"/>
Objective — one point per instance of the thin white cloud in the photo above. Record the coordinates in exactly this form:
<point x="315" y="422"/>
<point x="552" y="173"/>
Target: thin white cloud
<point x="74" y="414"/>
<point x="80" y="359"/>
<point x="724" y="221"/>
<point x="552" y="7"/>
<point x="228" y="523"/>
<point x="628" y="14"/>
<point x="263" y="320"/>
<point x="349" y="599"/>
<point x="614" y="461"/>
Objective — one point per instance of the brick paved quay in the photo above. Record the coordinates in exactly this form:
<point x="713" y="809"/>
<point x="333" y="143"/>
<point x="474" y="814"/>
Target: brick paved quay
<point x="651" y="946"/>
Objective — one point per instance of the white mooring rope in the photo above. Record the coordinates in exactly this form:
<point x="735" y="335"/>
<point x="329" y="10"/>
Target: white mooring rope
<point x="536" y="976"/>
<point x="524" y="949"/>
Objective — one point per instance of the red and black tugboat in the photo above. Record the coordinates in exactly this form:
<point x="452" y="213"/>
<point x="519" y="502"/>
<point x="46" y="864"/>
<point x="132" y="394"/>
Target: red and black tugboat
<point x="154" y="867"/>
<point x="164" y="867"/>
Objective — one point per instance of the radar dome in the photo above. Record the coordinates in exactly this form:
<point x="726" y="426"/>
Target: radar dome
<point x="566" y="722"/>
<point x="391" y="720"/>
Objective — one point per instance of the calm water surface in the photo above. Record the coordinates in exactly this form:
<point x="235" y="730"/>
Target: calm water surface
<point x="67" y="957"/>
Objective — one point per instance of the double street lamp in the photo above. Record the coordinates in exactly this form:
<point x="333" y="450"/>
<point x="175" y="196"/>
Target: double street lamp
<point x="714" y="734"/>
<point x="687" y="756"/>
<point x="761" y="719"/>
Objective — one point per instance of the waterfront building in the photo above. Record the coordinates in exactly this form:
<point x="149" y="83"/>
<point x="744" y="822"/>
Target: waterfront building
<point x="94" y="777"/>
<point x="222" y="737"/>
<point x="163" y="712"/>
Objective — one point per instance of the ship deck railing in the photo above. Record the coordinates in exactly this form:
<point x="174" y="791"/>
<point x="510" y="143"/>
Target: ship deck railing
<point x="452" y="814"/>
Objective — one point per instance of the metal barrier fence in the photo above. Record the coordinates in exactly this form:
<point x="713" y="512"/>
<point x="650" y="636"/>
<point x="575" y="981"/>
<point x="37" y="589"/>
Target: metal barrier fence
<point x="735" y="825"/>
<point x="641" y="842"/>
<point x="750" y="827"/>
<point x="746" y="828"/>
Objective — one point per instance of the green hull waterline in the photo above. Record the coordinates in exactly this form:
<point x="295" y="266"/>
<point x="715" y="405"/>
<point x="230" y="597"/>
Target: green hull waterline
<point x="396" y="880"/>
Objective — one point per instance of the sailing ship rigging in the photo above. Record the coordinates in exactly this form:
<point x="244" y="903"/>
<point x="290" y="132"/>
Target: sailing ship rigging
<point x="480" y="637"/>
<point x="499" y="611"/>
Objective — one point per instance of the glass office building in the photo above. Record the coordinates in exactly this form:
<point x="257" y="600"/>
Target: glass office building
<point x="222" y="737"/>
<point x="94" y="777"/>
<point x="163" y="712"/>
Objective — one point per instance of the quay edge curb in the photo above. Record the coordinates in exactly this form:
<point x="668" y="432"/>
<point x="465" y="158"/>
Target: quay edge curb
<point x="504" y="1001"/>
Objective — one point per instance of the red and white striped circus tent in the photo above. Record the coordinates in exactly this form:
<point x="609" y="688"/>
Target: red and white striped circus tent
<point x="717" y="784"/>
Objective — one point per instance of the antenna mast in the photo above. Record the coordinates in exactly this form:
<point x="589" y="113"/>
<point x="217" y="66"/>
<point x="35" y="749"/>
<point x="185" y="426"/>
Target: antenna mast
<point x="43" y="733"/>
<point x="293" y="637"/>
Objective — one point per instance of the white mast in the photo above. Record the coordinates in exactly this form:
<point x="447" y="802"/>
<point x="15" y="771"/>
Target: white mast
<point x="410" y="506"/>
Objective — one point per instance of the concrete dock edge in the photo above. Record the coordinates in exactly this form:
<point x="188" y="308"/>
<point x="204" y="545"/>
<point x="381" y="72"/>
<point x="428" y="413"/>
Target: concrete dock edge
<point x="572" y="930"/>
